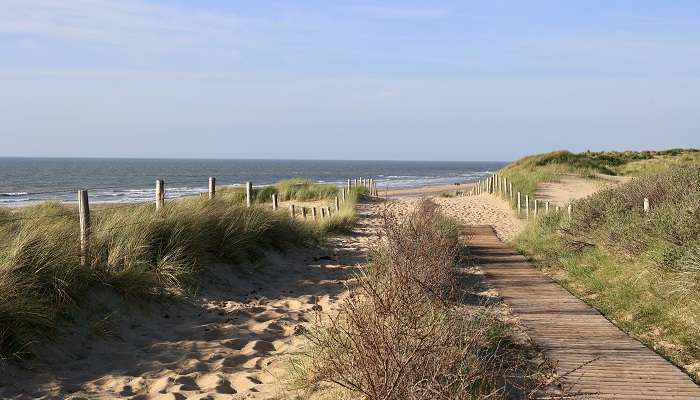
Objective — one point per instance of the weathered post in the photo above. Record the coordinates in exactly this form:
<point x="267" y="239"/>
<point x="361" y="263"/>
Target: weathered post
<point x="248" y="193"/>
<point x="518" y="203"/>
<point x="323" y="213"/>
<point x="313" y="213"/>
<point x="303" y="212"/>
<point x="328" y="210"/>
<point x="646" y="205"/>
<point x="535" y="200"/>
<point x="292" y="211"/>
<point x="342" y="195"/>
<point x="274" y="202"/>
<point x="546" y="207"/>
<point x="337" y="204"/>
<point x="212" y="187"/>
<point x="510" y="190"/>
<point x="557" y="209"/>
<point x="160" y="194"/>
<point x="84" y="215"/>
<point x="527" y="206"/>
<point x="349" y="186"/>
<point x="570" y="209"/>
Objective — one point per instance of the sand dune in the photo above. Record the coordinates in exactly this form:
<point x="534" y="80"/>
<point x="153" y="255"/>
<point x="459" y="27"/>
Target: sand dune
<point x="230" y="341"/>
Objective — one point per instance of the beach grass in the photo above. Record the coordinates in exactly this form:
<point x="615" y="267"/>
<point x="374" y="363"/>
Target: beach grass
<point x="135" y="251"/>
<point x="642" y="270"/>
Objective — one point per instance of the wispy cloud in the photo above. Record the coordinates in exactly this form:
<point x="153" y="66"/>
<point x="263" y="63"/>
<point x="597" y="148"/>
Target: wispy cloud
<point x="130" y="23"/>
<point x="386" y="12"/>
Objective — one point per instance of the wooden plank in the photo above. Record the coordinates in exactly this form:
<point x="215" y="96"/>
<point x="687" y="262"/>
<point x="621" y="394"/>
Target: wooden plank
<point x="594" y="354"/>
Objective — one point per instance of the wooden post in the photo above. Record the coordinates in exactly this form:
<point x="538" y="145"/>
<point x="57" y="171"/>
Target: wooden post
<point x="248" y="193"/>
<point x="349" y="186"/>
<point x="313" y="213"/>
<point x="212" y="187"/>
<point x="518" y="203"/>
<point x="527" y="206"/>
<point x="557" y="209"/>
<point x="303" y="212"/>
<point x="328" y="210"/>
<point x="570" y="208"/>
<point x="342" y="195"/>
<point x="292" y="211"/>
<point x="510" y="190"/>
<point x="274" y="202"/>
<point x="546" y="207"/>
<point x="337" y="204"/>
<point x="160" y="194"/>
<point x="646" y="205"/>
<point x="323" y="213"/>
<point x="535" y="200"/>
<point x="84" y="214"/>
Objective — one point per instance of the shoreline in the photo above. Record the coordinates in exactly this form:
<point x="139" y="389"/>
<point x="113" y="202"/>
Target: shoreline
<point x="392" y="192"/>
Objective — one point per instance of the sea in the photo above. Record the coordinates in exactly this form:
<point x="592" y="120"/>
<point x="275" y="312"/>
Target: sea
<point x="25" y="181"/>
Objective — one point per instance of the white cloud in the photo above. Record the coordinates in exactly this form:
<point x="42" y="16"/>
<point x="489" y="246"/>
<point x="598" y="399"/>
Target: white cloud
<point x="131" y="23"/>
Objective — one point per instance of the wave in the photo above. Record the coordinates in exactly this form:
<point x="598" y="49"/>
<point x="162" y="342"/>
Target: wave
<point x="14" y="194"/>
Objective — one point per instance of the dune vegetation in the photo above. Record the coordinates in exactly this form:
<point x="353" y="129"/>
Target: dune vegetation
<point x="527" y="172"/>
<point x="136" y="252"/>
<point x="297" y="189"/>
<point x="640" y="269"/>
<point x="404" y="331"/>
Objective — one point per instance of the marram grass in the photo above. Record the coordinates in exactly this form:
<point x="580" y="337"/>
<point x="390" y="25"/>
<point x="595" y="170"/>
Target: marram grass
<point x="134" y="250"/>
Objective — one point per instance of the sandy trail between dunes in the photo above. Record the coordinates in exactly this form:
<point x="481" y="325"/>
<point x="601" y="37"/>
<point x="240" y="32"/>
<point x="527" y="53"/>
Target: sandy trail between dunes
<point x="232" y="341"/>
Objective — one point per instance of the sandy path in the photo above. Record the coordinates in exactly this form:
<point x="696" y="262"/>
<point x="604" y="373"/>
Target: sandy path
<point x="572" y="187"/>
<point x="231" y="341"/>
<point x="483" y="209"/>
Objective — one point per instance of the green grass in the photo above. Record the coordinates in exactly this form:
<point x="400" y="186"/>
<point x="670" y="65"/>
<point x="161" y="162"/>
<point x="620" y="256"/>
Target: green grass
<point x="134" y="250"/>
<point x="642" y="270"/>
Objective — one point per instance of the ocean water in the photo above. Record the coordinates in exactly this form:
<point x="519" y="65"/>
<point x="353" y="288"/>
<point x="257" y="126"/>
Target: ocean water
<point x="30" y="180"/>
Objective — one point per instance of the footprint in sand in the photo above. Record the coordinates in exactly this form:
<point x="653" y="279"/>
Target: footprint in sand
<point x="258" y="346"/>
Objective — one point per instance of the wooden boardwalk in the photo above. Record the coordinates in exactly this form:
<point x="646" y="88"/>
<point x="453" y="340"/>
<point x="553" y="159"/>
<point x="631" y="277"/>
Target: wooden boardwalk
<point x="573" y="334"/>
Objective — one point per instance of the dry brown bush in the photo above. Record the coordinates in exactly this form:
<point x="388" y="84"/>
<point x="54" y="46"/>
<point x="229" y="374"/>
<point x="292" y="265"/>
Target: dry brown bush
<point x="401" y="334"/>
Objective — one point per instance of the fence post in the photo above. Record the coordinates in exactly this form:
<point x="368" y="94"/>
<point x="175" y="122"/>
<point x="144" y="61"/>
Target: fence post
<point x="569" y="209"/>
<point x="212" y="187"/>
<point x="323" y="213"/>
<point x="557" y="209"/>
<point x="313" y="213"/>
<point x="292" y="211"/>
<point x="303" y="212"/>
<point x="248" y="193"/>
<point x="546" y="207"/>
<point x="274" y="202"/>
<point x="349" y="184"/>
<point x="510" y="189"/>
<point x="328" y="210"/>
<point x="337" y="203"/>
<point x="518" y="204"/>
<point x="646" y="205"/>
<point x="160" y="194"/>
<point x="535" y="200"/>
<point x="527" y="206"/>
<point x="84" y="214"/>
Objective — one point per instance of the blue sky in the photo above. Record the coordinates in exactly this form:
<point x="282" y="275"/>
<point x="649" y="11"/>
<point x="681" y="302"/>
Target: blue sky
<point x="462" y="80"/>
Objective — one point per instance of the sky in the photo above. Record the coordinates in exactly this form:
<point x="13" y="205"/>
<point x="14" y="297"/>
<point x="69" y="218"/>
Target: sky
<point x="450" y="80"/>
